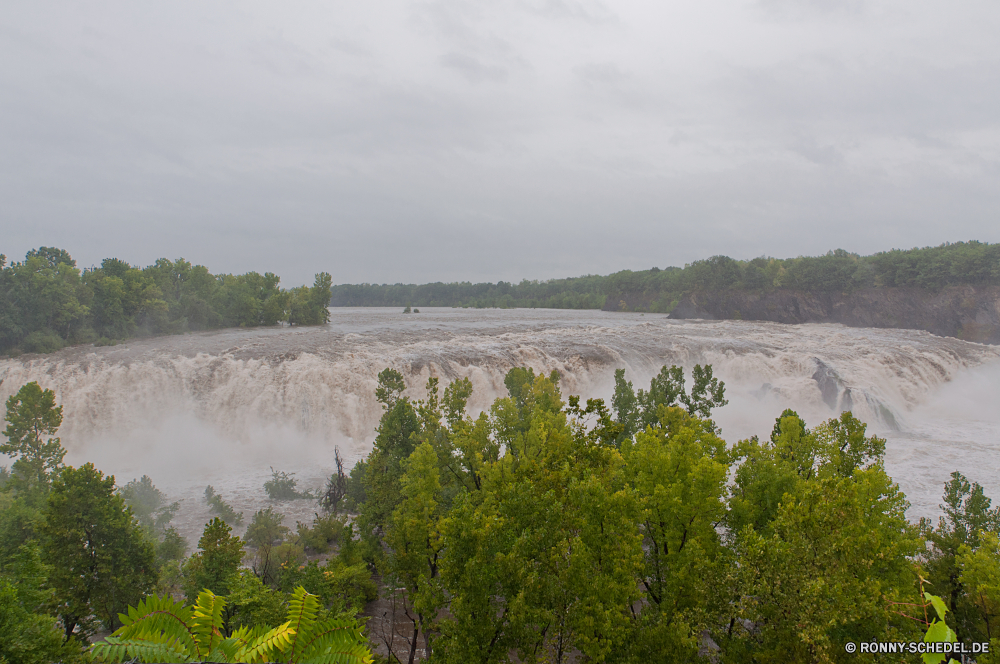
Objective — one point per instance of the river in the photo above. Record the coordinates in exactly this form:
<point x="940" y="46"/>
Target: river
<point x="222" y="407"/>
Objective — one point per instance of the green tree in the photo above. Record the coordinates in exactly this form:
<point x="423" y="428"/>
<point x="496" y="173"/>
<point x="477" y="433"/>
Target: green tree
<point x="967" y="515"/>
<point x="100" y="559"/>
<point x="823" y="547"/>
<point x="30" y="635"/>
<point x="319" y="298"/>
<point x="543" y="559"/>
<point x="264" y="531"/>
<point x="678" y="472"/>
<point x="980" y="578"/>
<point x="46" y="303"/>
<point x="308" y="306"/>
<point x="636" y="411"/>
<point x="149" y="505"/>
<point x="414" y="538"/>
<point x="217" y="560"/>
<point x="32" y="416"/>
<point x="394" y="442"/>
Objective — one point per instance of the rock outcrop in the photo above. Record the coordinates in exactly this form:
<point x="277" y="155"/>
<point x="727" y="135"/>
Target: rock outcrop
<point x="966" y="312"/>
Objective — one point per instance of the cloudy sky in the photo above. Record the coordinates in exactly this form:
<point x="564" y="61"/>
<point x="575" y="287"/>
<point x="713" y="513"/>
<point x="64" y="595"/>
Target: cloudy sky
<point x="501" y="139"/>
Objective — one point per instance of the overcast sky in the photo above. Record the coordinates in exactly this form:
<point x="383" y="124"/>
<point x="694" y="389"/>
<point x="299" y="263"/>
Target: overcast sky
<point x="389" y="141"/>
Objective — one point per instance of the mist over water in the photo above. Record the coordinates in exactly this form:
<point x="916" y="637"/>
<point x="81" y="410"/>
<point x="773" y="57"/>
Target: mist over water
<point x="221" y="407"/>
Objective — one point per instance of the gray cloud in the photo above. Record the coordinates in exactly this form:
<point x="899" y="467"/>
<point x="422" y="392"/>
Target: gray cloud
<point x="520" y="138"/>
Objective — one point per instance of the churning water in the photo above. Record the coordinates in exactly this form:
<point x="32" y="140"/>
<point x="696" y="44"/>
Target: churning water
<point x="223" y="406"/>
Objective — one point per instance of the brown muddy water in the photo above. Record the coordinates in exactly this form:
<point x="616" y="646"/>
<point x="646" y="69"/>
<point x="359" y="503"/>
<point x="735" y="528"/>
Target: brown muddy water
<point x="222" y="407"/>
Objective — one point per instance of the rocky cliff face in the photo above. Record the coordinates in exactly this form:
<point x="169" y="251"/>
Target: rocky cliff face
<point x="966" y="312"/>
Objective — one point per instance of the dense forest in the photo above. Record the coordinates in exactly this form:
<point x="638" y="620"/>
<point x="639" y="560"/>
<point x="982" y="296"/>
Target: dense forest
<point x="974" y="263"/>
<point x="46" y="302"/>
<point x="546" y="529"/>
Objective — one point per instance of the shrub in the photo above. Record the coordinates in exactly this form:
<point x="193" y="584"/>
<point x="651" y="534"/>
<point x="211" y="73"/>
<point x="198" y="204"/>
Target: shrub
<point x="173" y="546"/>
<point x="325" y="530"/>
<point x="221" y="508"/>
<point x="42" y="341"/>
<point x="340" y="587"/>
<point x="282" y="485"/>
<point x="265" y="528"/>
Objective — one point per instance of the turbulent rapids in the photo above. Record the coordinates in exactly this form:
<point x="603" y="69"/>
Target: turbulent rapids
<point x="214" y="406"/>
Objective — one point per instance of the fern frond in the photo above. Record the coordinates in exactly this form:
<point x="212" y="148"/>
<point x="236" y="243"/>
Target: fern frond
<point x="303" y="608"/>
<point x="265" y="647"/>
<point x="155" y="617"/>
<point x="119" y="650"/>
<point x="206" y="623"/>
<point x="226" y="652"/>
<point x="339" y="641"/>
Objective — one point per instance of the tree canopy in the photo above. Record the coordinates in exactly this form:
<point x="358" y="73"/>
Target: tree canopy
<point x="46" y="302"/>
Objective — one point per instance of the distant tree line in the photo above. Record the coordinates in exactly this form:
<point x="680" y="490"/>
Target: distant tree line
<point x="972" y="263"/>
<point x="46" y="302"/>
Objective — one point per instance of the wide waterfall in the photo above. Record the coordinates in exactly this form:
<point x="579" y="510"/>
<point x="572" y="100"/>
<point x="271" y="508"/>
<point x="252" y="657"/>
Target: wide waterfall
<point x="223" y="406"/>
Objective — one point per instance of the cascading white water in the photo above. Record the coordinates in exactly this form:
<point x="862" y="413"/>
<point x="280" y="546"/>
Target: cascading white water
<point x="225" y="405"/>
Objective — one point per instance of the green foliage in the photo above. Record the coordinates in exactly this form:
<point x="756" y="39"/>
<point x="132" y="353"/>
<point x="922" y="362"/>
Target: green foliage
<point x="635" y="412"/>
<point x="221" y="508"/>
<point x="162" y="630"/>
<point x="252" y="603"/>
<point x="938" y="630"/>
<point x="265" y="535"/>
<point x="19" y="523"/>
<point x="30" y="636"/>
<point x="99" y="557"/>
<point x="30" y="632"/>
<point x="282" y="485"/>
<point x="678" y="474"/>
<point x="172" y="546"/>
<point x="393" y="444"/>
<point x="544" y="557"/>
<point x="46" y="302"/>
<point x="325" y="530"/>
<point x="968" y="515"/>
<point x="979" y="577"/>
<point x="356" y="495"/>
<point x="265" y="528"/>
<point x="149" y="505"/>
<point x="541" y="530"/>
<point x="217" y="560"/>
<point x="414" y="536"/>
<point x="32" y="416"/>
<point x="43" y="300"/>
<point x="823" y="546"/>
<point x="308" y="306"/>
<point x="342" y="585"/>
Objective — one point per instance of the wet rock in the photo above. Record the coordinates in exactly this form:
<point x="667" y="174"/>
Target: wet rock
<point x="828" y="382"/>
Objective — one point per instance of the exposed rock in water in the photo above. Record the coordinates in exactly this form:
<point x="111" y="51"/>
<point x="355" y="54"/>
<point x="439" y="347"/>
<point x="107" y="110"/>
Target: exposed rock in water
<point x="970" y="313"/>
<point x="846" y="400"/>
<point x="828" y="382"/>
